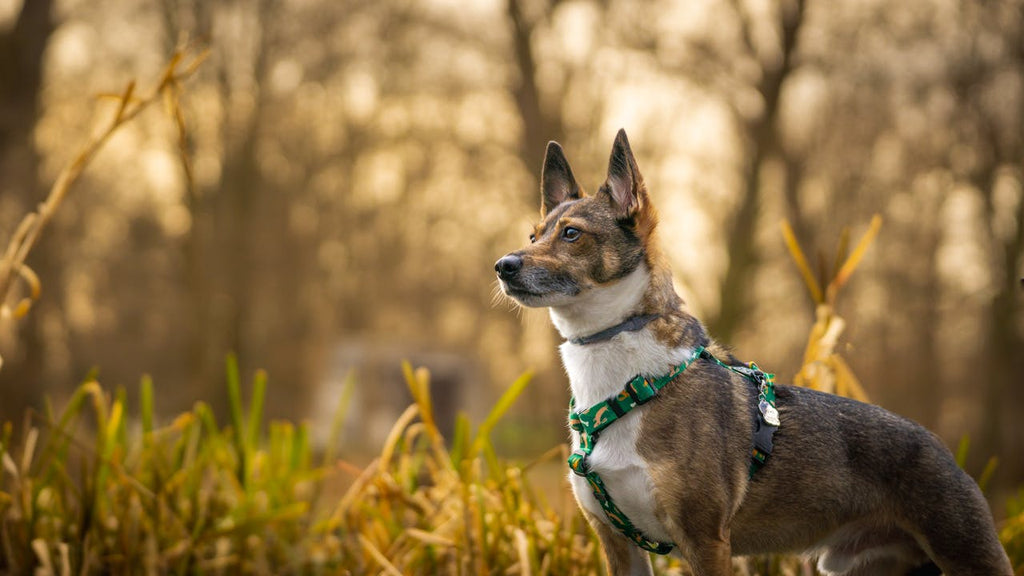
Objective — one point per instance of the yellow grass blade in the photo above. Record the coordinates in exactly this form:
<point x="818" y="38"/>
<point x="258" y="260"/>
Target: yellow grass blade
<point x="418" y="381"/>
<point x="987" y="472"/>
<point x="499" y="410"/>
<point x="854" y="259"/>
<point x="430" y="538"/>
<point x="126" y="97"/>
<point x="523" y="551"/>
<point x="388" y="567"/>
<point x="842" y="251"/>
<point x="340" y="413"/>
<point x="396" y="434"/>
<point x="847" y="383"/>
<point x="801" y="262"/>
<point x="353" y="494"/>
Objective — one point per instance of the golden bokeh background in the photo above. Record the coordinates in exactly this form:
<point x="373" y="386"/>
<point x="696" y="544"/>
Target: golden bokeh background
<point x="359" y="165"/>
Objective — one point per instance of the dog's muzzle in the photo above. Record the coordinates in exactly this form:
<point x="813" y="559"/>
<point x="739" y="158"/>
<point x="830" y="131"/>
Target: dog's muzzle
<point x="508" y="266"/>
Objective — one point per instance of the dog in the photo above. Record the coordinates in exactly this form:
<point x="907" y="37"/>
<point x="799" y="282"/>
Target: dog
<point x="864" y="491"/>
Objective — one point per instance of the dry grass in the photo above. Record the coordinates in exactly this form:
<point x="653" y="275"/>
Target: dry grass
<point x="193" y="495"/>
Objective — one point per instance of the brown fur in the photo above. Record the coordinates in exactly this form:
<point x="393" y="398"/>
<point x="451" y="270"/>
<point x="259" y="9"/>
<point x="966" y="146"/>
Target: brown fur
<point x="843" y="477"/>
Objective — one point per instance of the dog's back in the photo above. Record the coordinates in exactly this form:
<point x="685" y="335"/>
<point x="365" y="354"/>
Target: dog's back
<point x="885" y="491"/>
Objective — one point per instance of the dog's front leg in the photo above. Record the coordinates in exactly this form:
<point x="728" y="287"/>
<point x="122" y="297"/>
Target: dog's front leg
<point x="706" y="546"/>
<point x="711" y="557"/>
<point x="624" y="558"/>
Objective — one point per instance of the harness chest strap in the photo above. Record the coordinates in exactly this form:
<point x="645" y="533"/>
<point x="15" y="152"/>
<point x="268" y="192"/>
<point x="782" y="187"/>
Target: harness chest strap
<point x="590" y="422"/>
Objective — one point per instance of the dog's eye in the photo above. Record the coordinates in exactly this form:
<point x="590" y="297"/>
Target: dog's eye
<point x="533" y="238"/>
<point x="570" y="234"/>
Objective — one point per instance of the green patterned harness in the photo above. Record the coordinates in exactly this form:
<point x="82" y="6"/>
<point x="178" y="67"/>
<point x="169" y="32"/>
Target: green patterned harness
<point x="590" y="422"/>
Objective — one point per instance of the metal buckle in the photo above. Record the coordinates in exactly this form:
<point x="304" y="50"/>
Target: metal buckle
<point x="757" y="375"/>
<point x="578" y="463"/>
<point x="635" y="394"/>
<point x="575" y="422"/>
<point x="632" y="393"/>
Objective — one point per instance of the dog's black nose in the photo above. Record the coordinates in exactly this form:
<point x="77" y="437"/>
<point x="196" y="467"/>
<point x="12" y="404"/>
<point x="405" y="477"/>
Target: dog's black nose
<point x="508" y="265"/>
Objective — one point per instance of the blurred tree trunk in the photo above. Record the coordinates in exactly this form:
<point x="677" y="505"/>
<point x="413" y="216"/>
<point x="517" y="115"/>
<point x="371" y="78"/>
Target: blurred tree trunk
<point x="1003" y="364"/>
<point x="202" y="357"/>
<point x="540" y="125"/>
<point x="238" y="192"/>
<point x="914" y="291"/>
<point x="234" y="199"/>
<point x="996" y="135"/>
<point x="927" y="380"/>
<point x="762" y="146"/>
<point x="1008" y="304"/>
<point x="21" y="73"/>
<point x="1003" y="430"/>
<point x="219" y="250"/>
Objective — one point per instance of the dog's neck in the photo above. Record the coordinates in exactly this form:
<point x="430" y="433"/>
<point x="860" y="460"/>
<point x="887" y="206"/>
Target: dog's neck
<point x="599" y="370"/>
<point x="639" y="293"/>
<point x="601" y="308"/>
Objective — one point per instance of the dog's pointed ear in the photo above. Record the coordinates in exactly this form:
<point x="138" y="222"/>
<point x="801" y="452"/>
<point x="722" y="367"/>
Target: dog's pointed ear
<point x="557" y="182"/>
<point x="625" y="185"/>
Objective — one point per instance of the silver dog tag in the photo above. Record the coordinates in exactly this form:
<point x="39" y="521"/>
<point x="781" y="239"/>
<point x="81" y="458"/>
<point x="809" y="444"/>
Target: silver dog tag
<point x="770" y="414"/>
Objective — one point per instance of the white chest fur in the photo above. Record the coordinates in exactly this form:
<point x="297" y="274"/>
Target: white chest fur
<point x="598" y="371"/>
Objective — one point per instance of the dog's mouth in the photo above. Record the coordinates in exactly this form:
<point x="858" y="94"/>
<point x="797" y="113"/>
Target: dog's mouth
<point x="546" y="292"/>
<point x="519" y="292"/>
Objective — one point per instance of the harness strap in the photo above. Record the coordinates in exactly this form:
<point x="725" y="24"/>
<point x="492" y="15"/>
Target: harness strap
<point x="768" y="423"/>
<point x="590" y="422"/>
<point x="636" y="392"/>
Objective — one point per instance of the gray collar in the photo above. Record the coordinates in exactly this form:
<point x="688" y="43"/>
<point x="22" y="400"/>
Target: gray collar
<point x="631" y="324"/>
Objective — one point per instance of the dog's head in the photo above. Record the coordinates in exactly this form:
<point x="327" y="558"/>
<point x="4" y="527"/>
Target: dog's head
<point x="583" y="242"/>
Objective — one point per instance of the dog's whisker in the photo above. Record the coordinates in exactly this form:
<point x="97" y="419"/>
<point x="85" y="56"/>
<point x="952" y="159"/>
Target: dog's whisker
<point x="498" y="296"/>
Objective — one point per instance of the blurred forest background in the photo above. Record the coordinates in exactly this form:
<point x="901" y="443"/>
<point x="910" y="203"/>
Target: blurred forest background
<point x="357" y="166"/>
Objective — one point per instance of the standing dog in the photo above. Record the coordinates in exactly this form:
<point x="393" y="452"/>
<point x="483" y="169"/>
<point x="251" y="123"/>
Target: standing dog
<point x="864" y="490"/>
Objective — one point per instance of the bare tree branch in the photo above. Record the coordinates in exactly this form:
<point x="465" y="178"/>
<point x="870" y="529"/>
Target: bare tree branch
<point x="181" y="66"/>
